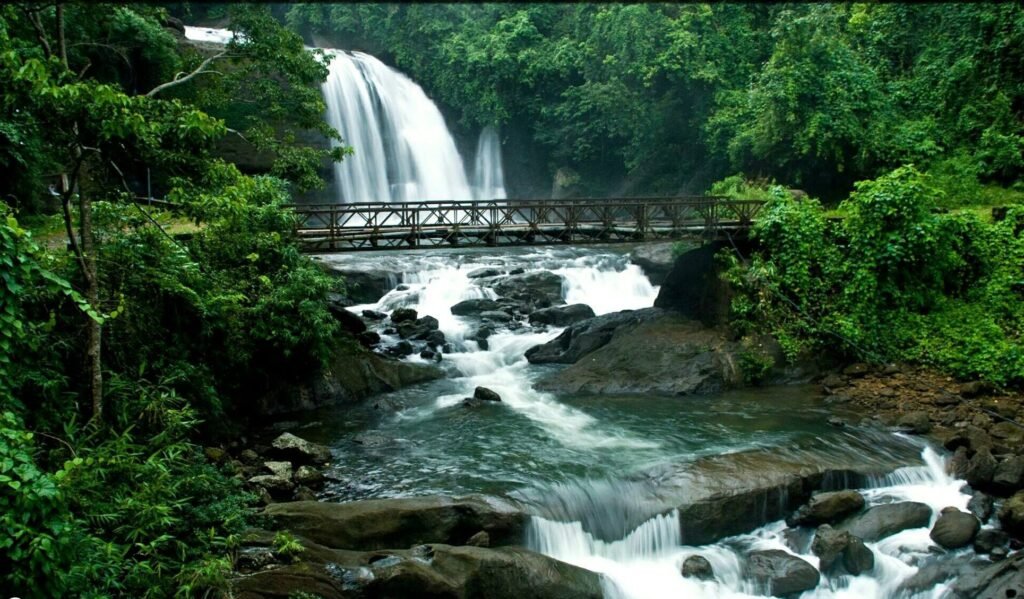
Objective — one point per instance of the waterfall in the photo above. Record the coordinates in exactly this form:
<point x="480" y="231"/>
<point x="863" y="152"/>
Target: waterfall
<point x="403" y="149"/>
<point x="488" y="176"/>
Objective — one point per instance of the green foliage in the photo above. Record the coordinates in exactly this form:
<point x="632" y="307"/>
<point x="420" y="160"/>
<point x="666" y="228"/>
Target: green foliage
<point x="287" y="546"/>
<point x="894" y="280"/>
<point x="736" y="187"/>
<point x="675" y="96"/>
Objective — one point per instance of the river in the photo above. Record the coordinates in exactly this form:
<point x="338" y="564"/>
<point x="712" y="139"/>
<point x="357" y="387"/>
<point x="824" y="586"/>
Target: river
<point x="601" y="473"/>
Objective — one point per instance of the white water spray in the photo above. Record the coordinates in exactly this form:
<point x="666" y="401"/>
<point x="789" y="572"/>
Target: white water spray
<point x="488" y="175"/>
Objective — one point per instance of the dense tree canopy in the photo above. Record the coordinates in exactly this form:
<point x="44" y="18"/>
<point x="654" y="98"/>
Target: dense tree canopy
<point x="815" y="95"/>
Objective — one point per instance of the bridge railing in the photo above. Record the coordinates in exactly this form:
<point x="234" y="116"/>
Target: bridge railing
<point x="498" y="222"/>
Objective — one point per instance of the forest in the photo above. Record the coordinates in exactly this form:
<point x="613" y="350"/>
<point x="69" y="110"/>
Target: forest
<point x="887" y="140"/>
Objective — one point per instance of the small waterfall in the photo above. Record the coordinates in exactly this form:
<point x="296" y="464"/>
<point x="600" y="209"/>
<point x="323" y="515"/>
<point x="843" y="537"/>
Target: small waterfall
<point x="488" y="175"/>
<point x="205" y="34"/>
<point x="403" y="149"/>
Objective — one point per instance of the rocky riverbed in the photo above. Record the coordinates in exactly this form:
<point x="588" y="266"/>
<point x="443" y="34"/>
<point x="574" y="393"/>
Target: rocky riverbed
<point x="536" y="355"/>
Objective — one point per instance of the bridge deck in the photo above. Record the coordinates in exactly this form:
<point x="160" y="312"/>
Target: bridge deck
<point x="408" y="225"/>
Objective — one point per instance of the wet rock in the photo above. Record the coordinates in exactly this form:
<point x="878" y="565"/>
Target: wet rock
<point x="368" y="338"/>
<point x="931" y="574"/>
<point x="561" y="316"/>
<point x="980" y="469"/>
<point x="483" y="333"/>
<point x="309" y="477"/>
<point x="483" y="344"/>
<point x="350" y="323"/>
<point x="254" y="559"/>
<point x="279" y="487"/>
<point x="998" y="554"/>
<point x="249" y="457"/>
<point x="473" y="307"/>
<point x="496" y="316"/>
<point x="833" y="381"/>
<point x="485" y="394"/>
<point x="980" y="505"/>
<point x="837" y="399"/>
<point x="840" y="551"/>
<point x="403" y="315"/>
<point x="538" y="289"/>
<point x="954" y="529"/>
<point x="1002" y="580"/>
<point x="427" y="354"/>
<point x="304" y="494"/>
<point x="888" y="519"/>
<point x="1009" y="474"/>
<point x="215" y="454"/>
<point x="588" y="336"/>
<point x="857" y="369"/>
<point x="386" y="523"/>
<point x="694" y="287"/>
<point x="481" y="273"/>
<point x="401" y="349"/>
<point x="697" y="566"/>
<point x="827" y="508"/>
<point x="480" y="539"/>
<point x="667" y="355"/>
<point x="1011" y="515"/>
<point x="974" y="389"/>
<point x="282" y="469"/>
<point x="373" y="315"/>
<point x="780" y="573"/>
<point x="435" y="339"/>
<point x="990" y="538"/>
<point x="299" y="451"/>
<point x="916" y="423"/>
<point x="388" y="404"/>
<point x="836" y="421"/>
<point x="971" y="437"/>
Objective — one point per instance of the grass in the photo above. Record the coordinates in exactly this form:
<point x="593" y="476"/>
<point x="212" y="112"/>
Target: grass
<point x="48" y="229"/>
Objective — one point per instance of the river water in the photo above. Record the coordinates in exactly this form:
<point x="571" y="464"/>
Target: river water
<point x="601" y="473"/>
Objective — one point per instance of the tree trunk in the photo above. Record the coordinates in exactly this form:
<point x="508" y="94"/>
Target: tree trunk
<point x="92" y="294"/>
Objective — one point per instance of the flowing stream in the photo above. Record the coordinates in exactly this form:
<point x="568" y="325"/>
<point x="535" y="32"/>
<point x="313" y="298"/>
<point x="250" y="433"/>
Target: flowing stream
<point x="601" y="473"/>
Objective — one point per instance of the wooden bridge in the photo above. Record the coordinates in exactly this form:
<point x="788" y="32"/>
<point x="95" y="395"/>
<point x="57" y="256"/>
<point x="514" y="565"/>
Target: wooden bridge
<point x="409" y="225"/>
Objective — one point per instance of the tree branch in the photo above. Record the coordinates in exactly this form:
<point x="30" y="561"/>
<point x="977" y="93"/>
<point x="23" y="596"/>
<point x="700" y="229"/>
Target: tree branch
<point x="179" y="80"/>
<point x="33" y="18"/>
<point x="62" y="44"/>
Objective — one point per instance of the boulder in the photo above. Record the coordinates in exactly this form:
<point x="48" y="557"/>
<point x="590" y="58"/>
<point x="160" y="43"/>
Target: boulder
<point x="839" y="551"/>
<point x="561" y="316"/>
<point x="485" y="394"/>
<point x="693" y="287"/>
<point x="354" y="373"/>
<point x="282" y="469"/>
<point x="400" y="523"/>
<point x="363" y="284"/>
<point x="780" y="573"/>
<point x="374" y="315"/>
<point x="833" y="381"/>
<point x="655" y="259"/>
<point x="980" y="505"/>
<point x="980" y="469"/>
<point x="988" y="539"/>
<point x="1011" y="515"/>
<point x="1001" y="580"/>
<point x="401" y="349"/>
<point x="916" y="423"/>
<point x="403" y="315"/>
<point x="279" y="487"/>
<point x="857" y="369"/>
<point x="888" y="519"/>
<point x="299" y="451"/>
<point x="588" y="336"/>
<point x="308" y="476"/>
<point x="954" y="529"/>
<point x="437" y="571"/>
<point x="473" y="307"/>
<point x="666" y="355"/>
<point x="484" y="272"/>
<point x="697" y="566"/>
<point x="971" y="437"/>
<point x="827" y="508"/>
<point x="480" y="539"/>
<point x="350" y="322"/>
<point x="537" y="289"/>
<point x="1009" y="474"/>
<point x="974" y="389"/>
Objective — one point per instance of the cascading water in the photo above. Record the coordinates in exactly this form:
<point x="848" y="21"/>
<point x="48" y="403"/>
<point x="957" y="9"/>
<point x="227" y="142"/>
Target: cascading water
<point x="403" y="149"/>
<point x="488" y="175"/>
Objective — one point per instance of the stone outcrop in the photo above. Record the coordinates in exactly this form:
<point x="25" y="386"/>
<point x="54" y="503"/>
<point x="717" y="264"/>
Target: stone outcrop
<point x="780" y="573"/>
<point x="400" y="523"/>
<point x="561" y="316"/>
<point x="693" y="287"/>
<point x="885" y="520"/>
<point x="588" y="336"/>
<point x="827" y="508"/>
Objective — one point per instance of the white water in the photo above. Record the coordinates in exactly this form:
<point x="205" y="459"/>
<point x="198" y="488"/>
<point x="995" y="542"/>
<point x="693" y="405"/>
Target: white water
<point x="488" y="174"/>
<point x="645" y="564"/>
<point x="605" y="283"/>
<point x="205" y="34"/>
